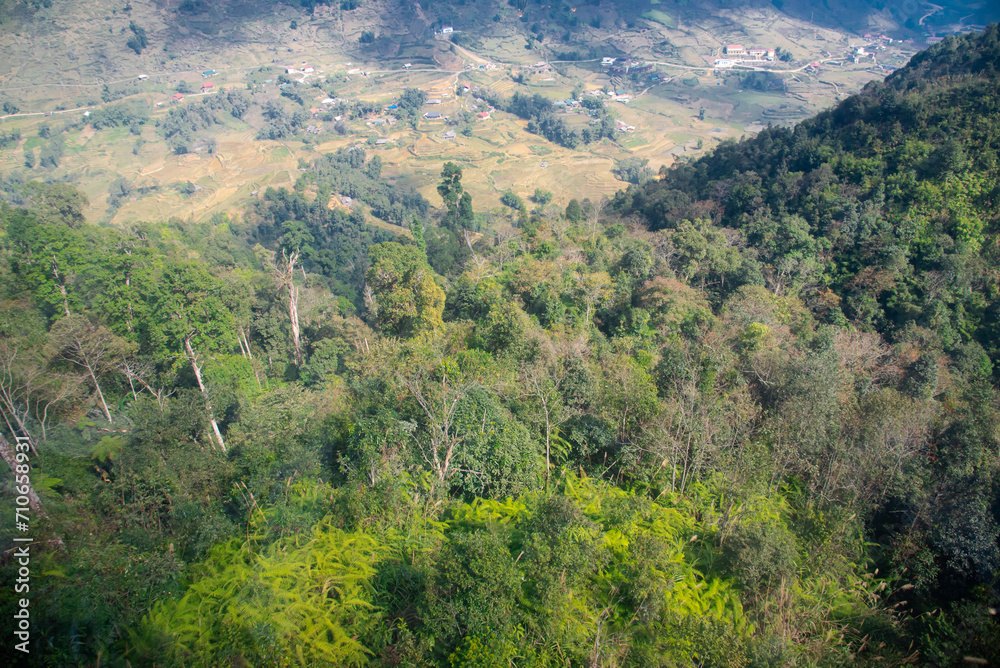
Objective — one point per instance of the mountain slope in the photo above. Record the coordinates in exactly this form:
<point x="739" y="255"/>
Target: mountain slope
<point x="880" y="210"/>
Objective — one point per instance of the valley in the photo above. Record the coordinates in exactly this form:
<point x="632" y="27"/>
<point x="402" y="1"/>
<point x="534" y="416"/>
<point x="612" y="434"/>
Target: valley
<point x="660" y="110"/>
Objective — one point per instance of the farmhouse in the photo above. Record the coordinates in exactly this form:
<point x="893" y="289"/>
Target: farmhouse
<point x="447" y="29"/>
<point x="208" y="73"/>
<point x="143" y="77"/>
<point x="434" y="100"/>
<point x="307" y="69"/>
<point x="176" y="96"/>
<point x="450" y="134"/>
<point x="208" y="85"/>
<point x="483" y="115"/>
<point x="633" y="66"/>
<point x="432" y="114"/>
<point x="608" y="61"/>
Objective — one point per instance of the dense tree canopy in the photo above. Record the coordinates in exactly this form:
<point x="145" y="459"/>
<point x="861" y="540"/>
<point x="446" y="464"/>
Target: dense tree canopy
<point x="745" y="415"/>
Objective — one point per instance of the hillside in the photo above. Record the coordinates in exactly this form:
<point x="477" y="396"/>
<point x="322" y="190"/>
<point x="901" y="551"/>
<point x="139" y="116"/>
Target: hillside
<point x="881" y="211"/>
<point x="73" y="60"/>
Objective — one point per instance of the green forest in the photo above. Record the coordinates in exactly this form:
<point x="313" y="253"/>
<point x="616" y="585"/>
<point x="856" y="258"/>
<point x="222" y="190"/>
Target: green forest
<point x="745" y="413"/>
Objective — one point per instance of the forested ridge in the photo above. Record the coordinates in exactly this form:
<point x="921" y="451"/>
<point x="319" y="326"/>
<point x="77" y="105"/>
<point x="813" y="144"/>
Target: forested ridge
<point x="743" y="415"/>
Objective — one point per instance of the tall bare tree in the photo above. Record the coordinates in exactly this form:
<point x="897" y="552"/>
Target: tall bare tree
<point x="91" y="347"/>
<point x="438" y="392"/>
<point x="283" y="269"/>
<point x="193" y="359"/>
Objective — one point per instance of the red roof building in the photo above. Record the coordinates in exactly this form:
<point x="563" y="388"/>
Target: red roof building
<point x="176" y="96"/>
<point x="208" y="85"/>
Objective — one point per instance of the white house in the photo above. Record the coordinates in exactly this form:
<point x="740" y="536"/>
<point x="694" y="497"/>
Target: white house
<point x="447" y="29"/>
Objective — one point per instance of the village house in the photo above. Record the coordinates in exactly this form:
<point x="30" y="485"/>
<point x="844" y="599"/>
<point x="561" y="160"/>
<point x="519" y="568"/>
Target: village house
<point x="631" y="66"/>
<point x="735" y="50"/>
<point x="432" y="114"/>
<point x="434" y="100"/>
<point x="207" y="86"/>
<point x="447" y="29"/>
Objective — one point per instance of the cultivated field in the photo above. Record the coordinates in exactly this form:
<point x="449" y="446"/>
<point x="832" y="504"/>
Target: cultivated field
<point x="62" y="64"/>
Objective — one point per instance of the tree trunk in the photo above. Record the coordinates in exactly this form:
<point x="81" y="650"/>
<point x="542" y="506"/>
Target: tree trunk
<point x="62" y="286"/>
<point x="293" y="314"/>
<point x="548" y="441"/>
<point x="204" y="392"/>
<point x="100" y="395"/>
<point x="7" y="453"/>
<point x="286" y="276"/>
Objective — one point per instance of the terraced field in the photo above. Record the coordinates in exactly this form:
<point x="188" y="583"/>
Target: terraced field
<point x="88" y="43"/>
